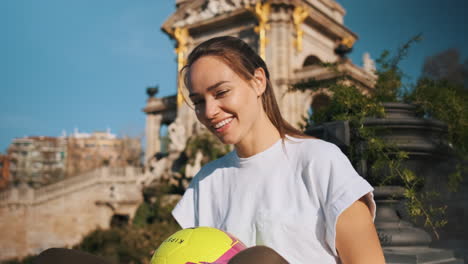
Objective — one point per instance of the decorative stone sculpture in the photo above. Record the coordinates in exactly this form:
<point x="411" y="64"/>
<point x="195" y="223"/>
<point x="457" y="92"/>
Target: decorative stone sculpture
<point x="152" y="91"/>
<point x="177" y="136"/>
<point x="369" y="64"/>
<point x="299" y="16"/>
<point x="159" y="167"/>
<point x="212" y="9"/>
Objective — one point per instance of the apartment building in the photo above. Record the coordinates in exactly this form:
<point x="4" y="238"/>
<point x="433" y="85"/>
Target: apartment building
<point x="37" y="160"/>
<point x="87" y="151"/>
<point x="4" y="171"/>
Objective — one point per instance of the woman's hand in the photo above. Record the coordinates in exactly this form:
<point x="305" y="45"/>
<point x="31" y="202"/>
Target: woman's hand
<point x="356" y="238"/>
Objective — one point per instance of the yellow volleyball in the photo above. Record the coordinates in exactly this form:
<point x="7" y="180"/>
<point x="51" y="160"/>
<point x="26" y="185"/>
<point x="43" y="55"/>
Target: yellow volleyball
<point x="198" y="245"/>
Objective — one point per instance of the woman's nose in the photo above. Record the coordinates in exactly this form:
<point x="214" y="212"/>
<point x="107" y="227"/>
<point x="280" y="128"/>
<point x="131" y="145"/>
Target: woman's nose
<point x="211" y="109"/>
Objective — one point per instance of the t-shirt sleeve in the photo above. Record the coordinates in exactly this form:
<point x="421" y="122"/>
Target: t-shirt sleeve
<point x="184" y="212"/>
<point x="339" y="187"/>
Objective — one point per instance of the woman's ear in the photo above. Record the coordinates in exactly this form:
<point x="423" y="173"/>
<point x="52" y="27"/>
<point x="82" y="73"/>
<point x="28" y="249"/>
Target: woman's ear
<point x="259" y="81"/>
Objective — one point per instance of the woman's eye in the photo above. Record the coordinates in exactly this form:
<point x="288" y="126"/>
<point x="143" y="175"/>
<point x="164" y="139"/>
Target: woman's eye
<point x="221" y="93"/>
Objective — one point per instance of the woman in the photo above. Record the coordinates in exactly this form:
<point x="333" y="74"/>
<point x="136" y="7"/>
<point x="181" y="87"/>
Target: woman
<point x="299" y="196"/>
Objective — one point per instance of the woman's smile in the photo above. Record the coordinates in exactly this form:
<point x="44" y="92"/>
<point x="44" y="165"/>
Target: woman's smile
<point x="223" y="125"/>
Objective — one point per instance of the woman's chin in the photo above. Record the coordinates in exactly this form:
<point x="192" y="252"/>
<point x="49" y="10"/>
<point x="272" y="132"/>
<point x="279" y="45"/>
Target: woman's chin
<point x="227" y="140"/>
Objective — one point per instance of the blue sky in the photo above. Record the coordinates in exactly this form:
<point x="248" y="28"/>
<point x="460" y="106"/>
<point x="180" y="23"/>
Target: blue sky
<point x="86" y="64"/>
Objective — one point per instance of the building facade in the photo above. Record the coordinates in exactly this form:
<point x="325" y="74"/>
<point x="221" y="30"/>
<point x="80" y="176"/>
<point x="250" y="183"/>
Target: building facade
<point x="4" y="171"/>
<point x="88" y="151"/>
<point x="42" y="160"/>
<point x="37" y="160"/>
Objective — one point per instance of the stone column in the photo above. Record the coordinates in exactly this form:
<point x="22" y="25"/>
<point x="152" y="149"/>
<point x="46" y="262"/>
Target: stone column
<point x="153" y="143"/>
<point x="281" y="57"/>
<point x="280" y="52"/>
<point x="187" y="118"/>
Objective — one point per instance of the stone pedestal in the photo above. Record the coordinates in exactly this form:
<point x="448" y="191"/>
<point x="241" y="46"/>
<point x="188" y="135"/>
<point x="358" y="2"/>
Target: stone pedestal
<point x="402" y="242"/>
<point x="404" y="255"/>
<point x="423" y="140"/>
<point x="392" y="230"/>
<point x="159" y="111"/>
<point x="153" y="142"/>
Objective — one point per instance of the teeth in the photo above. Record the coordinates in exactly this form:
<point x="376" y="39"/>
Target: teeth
<point x="223" y="123"/>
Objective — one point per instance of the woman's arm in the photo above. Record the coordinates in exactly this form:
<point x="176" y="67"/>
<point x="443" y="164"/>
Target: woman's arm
<point x="356" y="238"/>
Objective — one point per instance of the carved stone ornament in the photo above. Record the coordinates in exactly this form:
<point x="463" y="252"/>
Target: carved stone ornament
<point x="152" y="91"/>
<point x="177" y="136"/>
<point x="369" y="64"/>
<point x="299" y="15"/>
<point x="210" y="9"/>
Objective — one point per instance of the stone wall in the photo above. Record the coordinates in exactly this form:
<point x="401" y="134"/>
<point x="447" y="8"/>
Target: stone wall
<point x="61" y="214"/>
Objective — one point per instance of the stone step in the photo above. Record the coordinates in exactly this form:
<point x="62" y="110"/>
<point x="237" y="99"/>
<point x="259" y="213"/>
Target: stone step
<point x="448" y="261"/>
<point x="419" y="255"/>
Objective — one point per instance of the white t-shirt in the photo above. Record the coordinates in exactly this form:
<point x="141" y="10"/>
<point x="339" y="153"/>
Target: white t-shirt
<point x="287" y="197"/>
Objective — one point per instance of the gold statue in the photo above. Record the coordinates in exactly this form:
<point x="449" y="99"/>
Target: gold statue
<point x="299" y="15"/>
<point x="181" y="35"/>
<point x="348" y="42"/>
<point x="262" y="12"/>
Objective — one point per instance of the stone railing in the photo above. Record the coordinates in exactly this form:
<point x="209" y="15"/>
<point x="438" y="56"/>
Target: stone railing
<point x="322" y="73"/>
<point x="25" y="195"/>
<point x="313" y="71"/>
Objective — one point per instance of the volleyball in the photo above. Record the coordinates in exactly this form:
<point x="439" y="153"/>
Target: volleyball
<point x="197" y="245"/>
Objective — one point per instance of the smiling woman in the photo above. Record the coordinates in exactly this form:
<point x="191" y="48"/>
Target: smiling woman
<point x="238" y="93"/>
<point x="297" y="195"/>
<point x="227" y="105"/>
<point x="288" y="197"/>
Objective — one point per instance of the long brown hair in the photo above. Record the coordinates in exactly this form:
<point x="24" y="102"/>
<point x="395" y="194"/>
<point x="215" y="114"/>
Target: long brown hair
<point x="243" y="60"/>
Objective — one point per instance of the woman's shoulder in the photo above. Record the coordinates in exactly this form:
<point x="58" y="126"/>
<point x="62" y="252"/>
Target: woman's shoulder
<point x="216" y="165"/>
<point x="313" y="148"/>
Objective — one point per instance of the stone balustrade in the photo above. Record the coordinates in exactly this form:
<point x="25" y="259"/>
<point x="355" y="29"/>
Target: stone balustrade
<point x="61" y="214"/>
<point x="25" y="195"/>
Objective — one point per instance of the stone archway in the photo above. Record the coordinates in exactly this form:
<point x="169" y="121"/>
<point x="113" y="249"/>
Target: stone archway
<point x="319" y="101"/>
<point x="311" y="60"/>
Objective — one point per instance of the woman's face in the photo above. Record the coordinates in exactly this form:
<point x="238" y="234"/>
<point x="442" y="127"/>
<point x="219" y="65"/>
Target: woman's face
<point x="225" y="103"/>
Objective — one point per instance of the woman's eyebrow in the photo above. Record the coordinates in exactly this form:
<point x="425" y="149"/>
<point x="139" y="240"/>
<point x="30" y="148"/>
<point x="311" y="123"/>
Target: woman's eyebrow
<point x="211" y="87"/>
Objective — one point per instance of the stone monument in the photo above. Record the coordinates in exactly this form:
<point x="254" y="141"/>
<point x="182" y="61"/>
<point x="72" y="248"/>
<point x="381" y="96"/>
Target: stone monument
<point x="292" y="36"/>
